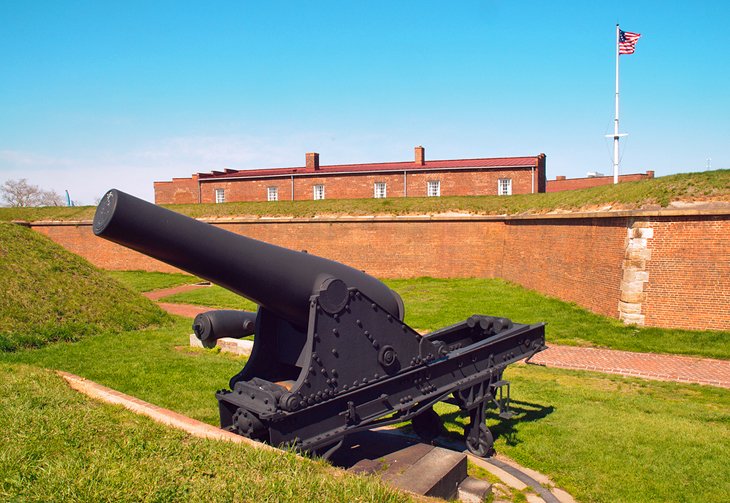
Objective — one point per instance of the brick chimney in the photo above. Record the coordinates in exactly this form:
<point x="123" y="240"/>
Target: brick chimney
<point x="559" y="177"/>
<point x="420" y="156"/>
<point x="650" y="174"/>
<point x="312" y="161"/>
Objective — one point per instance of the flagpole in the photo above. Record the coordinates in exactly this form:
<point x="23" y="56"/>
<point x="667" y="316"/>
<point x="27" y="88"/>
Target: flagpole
<point x="615" y="121"/>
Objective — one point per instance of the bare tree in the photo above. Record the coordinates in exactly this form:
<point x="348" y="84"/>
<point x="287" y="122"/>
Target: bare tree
<point x="20" y="193"/>
<point x="50" y="198"/>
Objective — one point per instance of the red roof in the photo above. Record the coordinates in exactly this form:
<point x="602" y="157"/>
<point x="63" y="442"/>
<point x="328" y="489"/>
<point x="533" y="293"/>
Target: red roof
<point x="495" y="162"/>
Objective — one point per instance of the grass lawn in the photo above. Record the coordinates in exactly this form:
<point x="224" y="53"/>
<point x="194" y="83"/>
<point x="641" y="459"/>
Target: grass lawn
<point x="59" y="445"/>
<point x="143" y="281"/>
<point x="603" y="438"/>
<point x="435" y="303"/>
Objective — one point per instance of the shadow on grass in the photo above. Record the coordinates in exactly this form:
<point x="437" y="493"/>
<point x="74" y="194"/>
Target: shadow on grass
<point x="523" y="412"/>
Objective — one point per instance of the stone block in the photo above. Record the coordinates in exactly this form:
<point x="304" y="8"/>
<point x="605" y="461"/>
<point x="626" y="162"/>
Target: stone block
<point x="633" y="297"/>
<point x="638" y="264"/>
<point x="632" y="275"/>
<point x="241" y="347"/>
<point x="632" y="286"/>
<point x="638" y="254"/>
<point x="473" y="490"/>
<point x="637" y="243"/>
<point x="641" y="232"/>
<point x="629" y="307"/>
<point x="632" y="319"/>
<point x="436" y="473"/>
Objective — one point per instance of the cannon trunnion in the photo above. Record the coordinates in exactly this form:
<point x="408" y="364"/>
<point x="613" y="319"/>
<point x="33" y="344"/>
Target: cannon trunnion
<point x="331" y="354"/>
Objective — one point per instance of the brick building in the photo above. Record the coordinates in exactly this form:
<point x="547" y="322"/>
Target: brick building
<point x="417" y="178"/>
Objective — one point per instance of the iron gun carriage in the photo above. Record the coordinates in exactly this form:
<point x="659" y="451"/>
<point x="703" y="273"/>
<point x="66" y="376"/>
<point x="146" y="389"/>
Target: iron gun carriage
<point x="331" y="354"/>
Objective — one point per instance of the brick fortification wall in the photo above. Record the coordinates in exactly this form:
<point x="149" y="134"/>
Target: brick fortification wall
<point x="561" y="183"/>
<point x="665" y="268"/>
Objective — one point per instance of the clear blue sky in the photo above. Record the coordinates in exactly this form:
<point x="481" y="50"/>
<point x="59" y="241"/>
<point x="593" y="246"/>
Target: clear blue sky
<point x="101" y="94"/>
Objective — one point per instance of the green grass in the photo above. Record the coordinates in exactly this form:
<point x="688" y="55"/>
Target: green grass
<point x="602" y="438"/>
<point x="605" y="438"/>
<point x="156" y="365"/>
<point x="50" y="294"/>
<point x="435" y="303"/>
<point x="58" y="445"/>
<point x="143" y="281"/>
<point x="708" y="185"/>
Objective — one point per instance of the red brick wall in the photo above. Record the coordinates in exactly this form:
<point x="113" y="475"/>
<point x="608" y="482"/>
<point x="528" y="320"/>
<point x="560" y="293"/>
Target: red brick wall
<point x="177" y="191"/>
<point x="584" y="183"/>
<point x="352" y="186"/>
<point x="577" y="259"/>
<point x="80" y="239"/>
<point x="689" y="273"/>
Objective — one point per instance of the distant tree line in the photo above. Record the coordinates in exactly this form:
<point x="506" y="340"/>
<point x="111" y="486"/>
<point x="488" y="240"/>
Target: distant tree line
<point x="20" y="193"/>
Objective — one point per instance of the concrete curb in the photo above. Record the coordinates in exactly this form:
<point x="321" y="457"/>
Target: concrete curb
<point x="240" y="347"/>
<point x="161" y="415"/>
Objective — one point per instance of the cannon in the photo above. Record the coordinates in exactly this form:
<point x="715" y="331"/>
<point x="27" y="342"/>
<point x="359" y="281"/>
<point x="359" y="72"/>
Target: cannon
<point x="332" y="354"/>
<point x="213" y="325"/>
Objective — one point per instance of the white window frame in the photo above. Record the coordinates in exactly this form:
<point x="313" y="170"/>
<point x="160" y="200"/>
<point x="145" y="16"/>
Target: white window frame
<point x="433" y="188"/>
<point x="220" y="196"/>
<point x="504" y="187"/>
<point x="318" y="192"/>
<point x="380" y="190"/>
<point x="272" y="193"/>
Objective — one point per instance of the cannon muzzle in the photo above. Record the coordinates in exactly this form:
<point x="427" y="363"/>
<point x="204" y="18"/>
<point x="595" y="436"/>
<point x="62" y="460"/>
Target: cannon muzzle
<point x="277" y="279"/>
<point x="213" y="325"/>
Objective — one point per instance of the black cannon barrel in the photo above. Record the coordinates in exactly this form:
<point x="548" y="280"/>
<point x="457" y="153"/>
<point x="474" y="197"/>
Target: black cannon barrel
<point x="213" y="325"/>
<point x="277" y="279"/>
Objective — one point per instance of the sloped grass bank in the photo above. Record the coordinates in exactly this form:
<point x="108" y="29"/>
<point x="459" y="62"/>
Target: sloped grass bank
<point x="601" y="437"/>
<point x="435" y="303"/>
<point x="58" y="445"/>
<point x="50" y="294"/>
<point x="708" y="185"/>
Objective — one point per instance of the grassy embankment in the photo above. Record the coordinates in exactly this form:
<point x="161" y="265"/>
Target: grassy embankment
<point x="658" y="192"/>
<point x="59" y="445"/>
<point x="50" y="294"/>
<point x="435" y="303"/>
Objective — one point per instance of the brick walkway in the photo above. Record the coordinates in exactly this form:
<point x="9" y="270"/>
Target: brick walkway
<point x="164" y="292"/>
<point x="684" y="369"/>
<point x="186" y="310"/>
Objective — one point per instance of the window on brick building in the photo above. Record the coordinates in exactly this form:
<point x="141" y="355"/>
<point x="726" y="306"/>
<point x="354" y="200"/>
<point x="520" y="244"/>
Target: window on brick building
<point x="220" y="195"/>
<point x="504" y="187"/>
<point x="318" y="192"/>
<point x="272" y="193"/>
<point x="434" y="188"/>
<point x="379" y="190"/>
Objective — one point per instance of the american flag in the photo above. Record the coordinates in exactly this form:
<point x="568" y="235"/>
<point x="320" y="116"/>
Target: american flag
<point x="627" y="42"/>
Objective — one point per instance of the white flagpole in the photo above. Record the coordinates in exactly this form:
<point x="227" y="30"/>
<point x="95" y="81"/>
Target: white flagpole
<point x="615" y="121"/>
